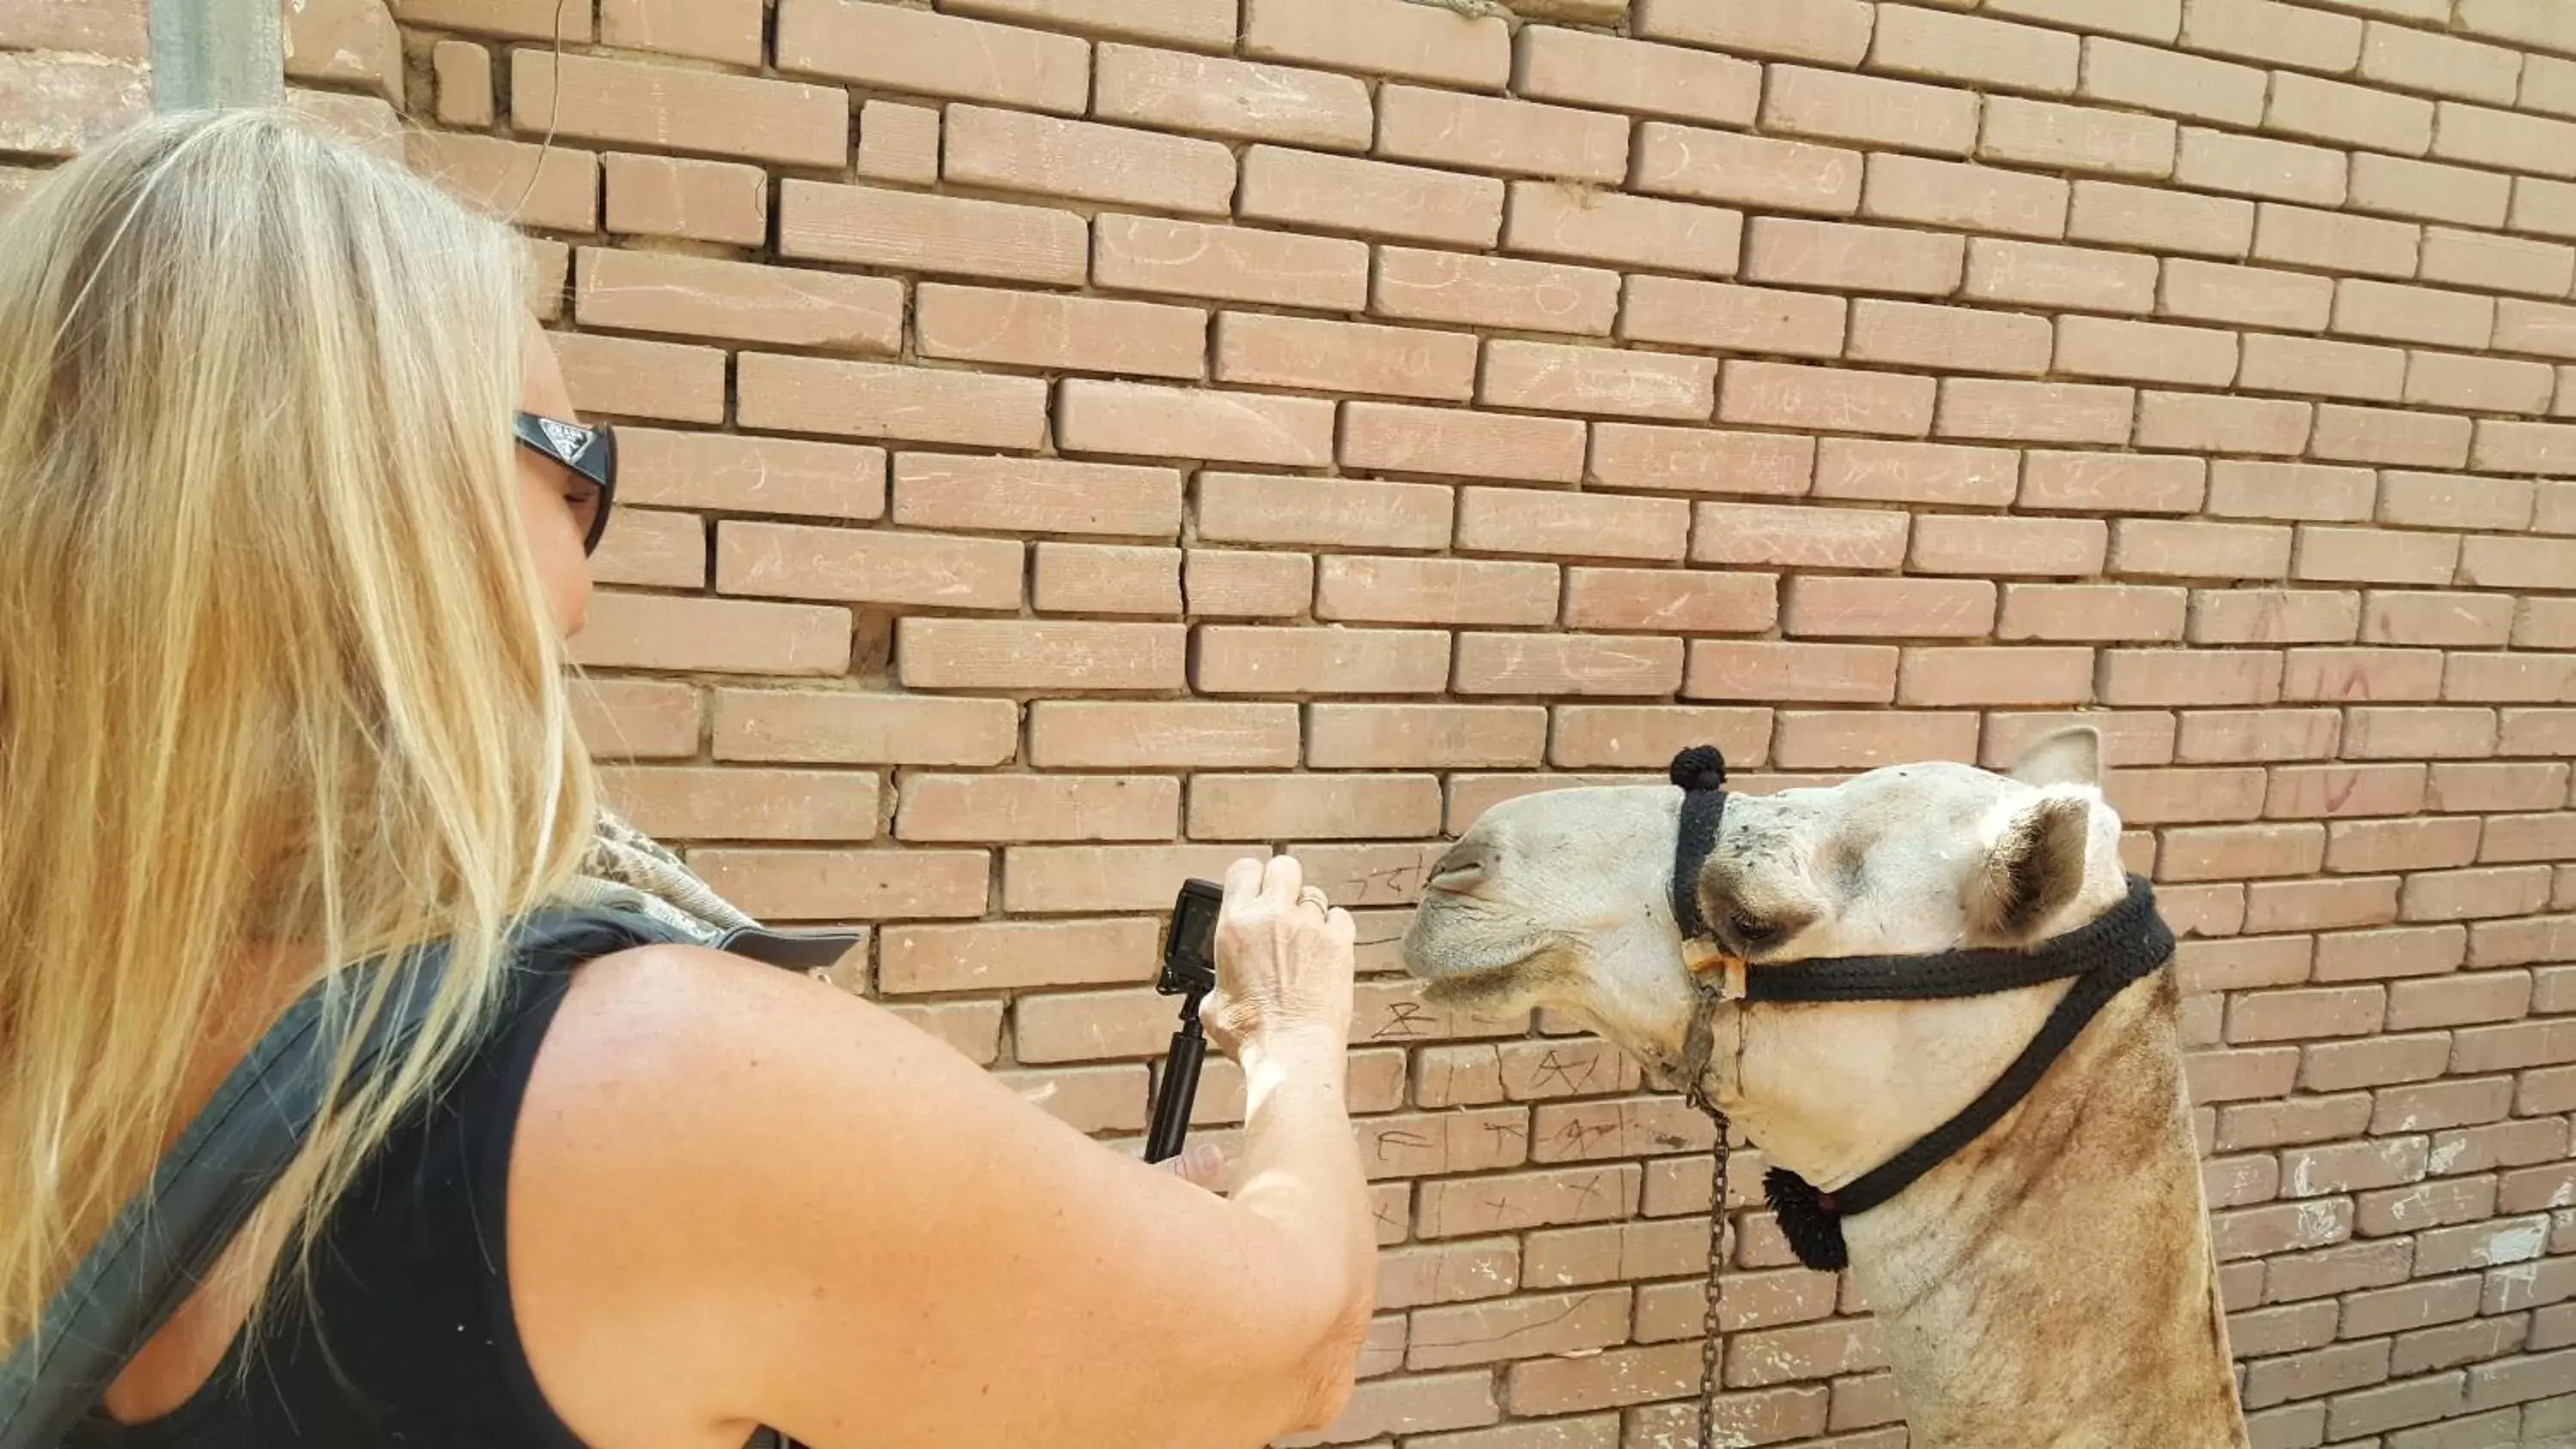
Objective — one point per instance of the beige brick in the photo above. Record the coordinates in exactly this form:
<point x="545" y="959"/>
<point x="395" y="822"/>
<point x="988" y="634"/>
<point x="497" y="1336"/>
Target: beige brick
<point x="2545" y="207"/>
<point x="2076" y="138"/>
<point x="2427" y="191"/>
<point x="2091" y="612"/>
<point x="2253" y="166"/>
<point x="2332" y="242"/>
<point x="1699" y="460"/>
<point x="2535" y="328"/>
<point x="2222" y="424"/>
<point x="1946" y="338"/>
<point x="1494" y="292"/>
<point x="2033" y="413"/>
<point x="633" y="104"/>
<point x="1913" y="472"/>
<point x="1038" y="807"/>
<point x="1734" y="318"/>
<point x="1318" y="807"/>
<point x="630" y="378"/>
<point x="2302" y="792"/>
<point x="1094" y="734"/>
<point x="1783" y="395"/>
<point x="1488" y="133"/>
<point x="2496" y="263"/>
<point x="651" y="631"/>
<point x="1371" y="589"/>
<point x="2383" y="435"/>
<point x="639" y="719"/>
<point x="1265" y="349"/>
<point x="1824" y="673"/>
<point x="2276" y="34"/>
<point x="2159" y="677"/>
<point x="1101" y="578"/>
<point x="2145" y="351"/>
<point x="1411" y="736"/>
<point x="693" y="296"/>
<point x="1380" y="37"/>
<point x="1834" y="32"/>
<point x="2479" y="384"/>
<point x="727" y="30"/>
<point x="1038" y="880"/>
<point x="2291" y="491"/>
<point x="794" y="561"/>
<point x="2157" y="20"/>
<point x="2365" y="308"/>
<point x="2274" y="616"/>
<point x="1862" y="739"/>
<point x="1112" y="165"/>
<point x="1577" y="664"/>
<point x="1399" y="437"/>
<point x="1832" y="106"/>
<point x="2242" y="852"/>
<point x="2214" y="966"/>
<point x="751" y="475"/>
<point x="2033" y="274"/>
<point x="1549" y="219"/>
<point x="2451" y="500"/>
<point x="2199" y="550"/>
<point x="1239" y="659"/>
<point x="1755" y="171"/>
<point x="2124" y="215"/>
<point x="2355" y="115"/>
<point x="701" y="200"/>
<point x="1018" y="654"/>
<point x="2315" y="905"/>
<point x="1210" y="95"/>
<point x="851" y="885"/>
<point x="1984" y="675"/>
<point x="1620" y="737"/>
<point x="1590" y="525"/>
<point x="2521" y="678"/>
<point x="1222" y="583"/>
<point x="556" y="189"/>
<point x="2496" y="787"/>
<point x="462" y="71"/>
<point x="898" y="143"/>
<point x="2318" y="368"/>
<point x="691" y="802"/>
<point x="940" y="55"/>
<point x="1797" y="537"/>
<point x="1081" y="334"/>
<point x="2504" y="139"/>
<point x="1200" y="23"/>
<point x="1372" y="198"/>
<point x="816" y="395"/>
<point x="2153" y="78"/>
<point x="1240" y="508"/>
<point x="1823" y="607"/>
<point x="947" y="235"/>
<point x="1977" y="198"/>
<point x="798" y="726"/>
<point x="1580" y="68"/>
<point x="526" y="19"/>
<point x="2397" y="732"/>
<point x="1548" y="378"/>
<point x="2418" y="60"/>
<point x="2252" y="296"/>
<point x="1144" y="420"/>
<point x="1838" y="255"/>
<point x="2544" y="448"/>
<point x="1035" y="495"/>
<point x="1237" y="264"/>
<point x="1968" y="50"/>
<point x="1660" y="600"/>
<point x="2237" y="736"/>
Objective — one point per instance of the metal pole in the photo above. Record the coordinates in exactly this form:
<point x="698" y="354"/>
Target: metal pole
<point x="216" y="53"/>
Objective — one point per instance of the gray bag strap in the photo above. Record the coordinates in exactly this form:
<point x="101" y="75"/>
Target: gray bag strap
<point x="165" y="1240"/>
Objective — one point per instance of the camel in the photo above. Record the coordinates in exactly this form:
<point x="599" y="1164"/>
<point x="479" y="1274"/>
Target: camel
<point x="2050" y="1284"/>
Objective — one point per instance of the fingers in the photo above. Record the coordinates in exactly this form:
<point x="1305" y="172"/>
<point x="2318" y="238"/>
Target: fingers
<point x="1243" y="880"/>
<point x="1339" y="923"/>
<point x="1202" y="1163"/>
<point x="1281" y="879"/>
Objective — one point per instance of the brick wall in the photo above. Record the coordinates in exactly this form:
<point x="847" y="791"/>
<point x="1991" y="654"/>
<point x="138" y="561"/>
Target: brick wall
<point x="1071" y="439"/>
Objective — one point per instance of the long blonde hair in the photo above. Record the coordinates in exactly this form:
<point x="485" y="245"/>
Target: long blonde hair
<point x="276" y="680"/>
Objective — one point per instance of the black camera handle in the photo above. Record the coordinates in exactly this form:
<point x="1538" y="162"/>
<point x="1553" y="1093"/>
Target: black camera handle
<point x="1189" y="972"/>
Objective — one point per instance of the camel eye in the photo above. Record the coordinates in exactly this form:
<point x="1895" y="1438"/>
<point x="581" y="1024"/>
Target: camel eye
<point x="1749" y="931"/>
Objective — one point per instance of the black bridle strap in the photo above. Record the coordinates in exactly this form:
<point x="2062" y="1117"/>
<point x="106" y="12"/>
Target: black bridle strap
<point x="2129" y="933"/>
<point x="2092" y="990"/>
<point x="1700" y="771"/>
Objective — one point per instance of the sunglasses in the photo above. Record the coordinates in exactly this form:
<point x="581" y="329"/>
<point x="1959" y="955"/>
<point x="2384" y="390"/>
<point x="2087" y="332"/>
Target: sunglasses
<point x="590" y="455"/>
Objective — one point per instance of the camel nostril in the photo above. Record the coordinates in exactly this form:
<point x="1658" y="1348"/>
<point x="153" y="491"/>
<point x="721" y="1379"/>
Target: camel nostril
<point x="1460" y="869"/>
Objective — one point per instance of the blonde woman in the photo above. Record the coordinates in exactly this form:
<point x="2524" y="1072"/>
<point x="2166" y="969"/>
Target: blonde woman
<point x="288" y="545"/>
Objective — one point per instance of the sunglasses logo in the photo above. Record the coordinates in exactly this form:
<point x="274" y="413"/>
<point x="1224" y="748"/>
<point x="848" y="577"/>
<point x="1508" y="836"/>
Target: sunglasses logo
<point x="569" y="442"/>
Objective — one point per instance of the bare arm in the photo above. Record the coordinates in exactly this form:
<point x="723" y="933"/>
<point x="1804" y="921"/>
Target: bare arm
<point x="741" y="1197"/>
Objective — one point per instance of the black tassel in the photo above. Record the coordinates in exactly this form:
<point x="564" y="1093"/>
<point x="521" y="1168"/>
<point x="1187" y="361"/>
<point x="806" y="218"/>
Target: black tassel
<point x="1700" y="767"/>
<point x="1808" y="1219"/>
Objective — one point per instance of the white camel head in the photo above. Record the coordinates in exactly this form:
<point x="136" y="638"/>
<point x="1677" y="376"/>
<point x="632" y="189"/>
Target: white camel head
<point x="1561" y="899"/>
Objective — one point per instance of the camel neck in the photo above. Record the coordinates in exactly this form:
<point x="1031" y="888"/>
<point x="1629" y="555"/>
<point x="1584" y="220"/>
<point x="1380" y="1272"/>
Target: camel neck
<point x="2051" y="1285"/>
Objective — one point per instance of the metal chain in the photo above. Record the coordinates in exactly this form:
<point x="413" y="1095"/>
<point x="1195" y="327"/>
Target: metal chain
<point x="1712" y="1344"/>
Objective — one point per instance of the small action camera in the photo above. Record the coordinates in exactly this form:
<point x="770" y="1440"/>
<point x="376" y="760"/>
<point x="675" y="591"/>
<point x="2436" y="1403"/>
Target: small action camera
<point x="1189" y="972"/>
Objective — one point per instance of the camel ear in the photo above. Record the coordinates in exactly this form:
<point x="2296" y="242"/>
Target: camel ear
<point x="2034" y="867"/>
<point x="2070" y="756"/>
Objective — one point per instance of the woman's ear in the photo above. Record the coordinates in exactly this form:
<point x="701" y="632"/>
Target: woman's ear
<point x="2034" y="866"/>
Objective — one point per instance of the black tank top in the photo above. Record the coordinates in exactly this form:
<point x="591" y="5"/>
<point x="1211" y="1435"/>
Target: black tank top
<point x="407" y="1337"/>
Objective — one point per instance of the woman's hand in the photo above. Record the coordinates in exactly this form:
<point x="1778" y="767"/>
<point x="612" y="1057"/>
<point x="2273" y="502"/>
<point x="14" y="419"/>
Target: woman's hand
<point x="1284" y="959"/>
